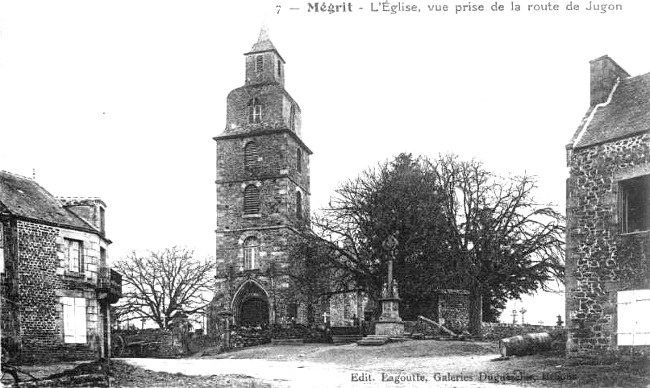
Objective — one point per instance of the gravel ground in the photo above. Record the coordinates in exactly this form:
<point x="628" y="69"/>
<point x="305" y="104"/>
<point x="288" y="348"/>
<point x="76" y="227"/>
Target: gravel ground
<point x="443" y="364"/>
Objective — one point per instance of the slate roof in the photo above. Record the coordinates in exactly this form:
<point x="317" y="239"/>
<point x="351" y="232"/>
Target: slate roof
<point x="264" y="43"/>
<point x="22" y="197"/>
<point x="627" y="113"/>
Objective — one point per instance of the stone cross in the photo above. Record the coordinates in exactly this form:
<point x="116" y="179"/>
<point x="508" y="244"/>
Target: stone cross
<point x="514" y="317"/>
<point x="522" y="311"/>
<point x="390" y="244"/>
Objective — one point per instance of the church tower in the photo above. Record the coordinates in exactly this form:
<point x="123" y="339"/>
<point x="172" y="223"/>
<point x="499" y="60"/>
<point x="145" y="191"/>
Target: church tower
<point x="262" y="194"/>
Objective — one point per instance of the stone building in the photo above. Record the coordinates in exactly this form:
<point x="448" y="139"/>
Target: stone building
<point x="262" y="194"/>
<point x="56" y="284"/>
<point x="608" y="215"/>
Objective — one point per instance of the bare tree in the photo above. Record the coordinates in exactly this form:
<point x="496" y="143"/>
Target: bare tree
<point x="162" y="284"/>
<point x="501" y="241"/>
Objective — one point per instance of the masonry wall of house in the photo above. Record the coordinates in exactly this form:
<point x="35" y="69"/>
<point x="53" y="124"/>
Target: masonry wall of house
<point x="37" y="281"/>
<point x="602" y="259"/>
<point x="10" y="305"/>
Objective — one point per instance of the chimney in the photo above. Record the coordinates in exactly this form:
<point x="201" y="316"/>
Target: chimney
<point x="604" y="73"/>
<point x="93" y="210"/>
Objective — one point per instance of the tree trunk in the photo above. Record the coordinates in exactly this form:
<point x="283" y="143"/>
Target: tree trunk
<point x="475" y="311"/>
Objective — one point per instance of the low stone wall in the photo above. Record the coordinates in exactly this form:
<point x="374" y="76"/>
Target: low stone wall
<point x="424" y="328"/>
<point x="307" y="333"/>
<point x="160" y="343"/>
<point x="497" y="331"/>
<point x="242" y="337"/>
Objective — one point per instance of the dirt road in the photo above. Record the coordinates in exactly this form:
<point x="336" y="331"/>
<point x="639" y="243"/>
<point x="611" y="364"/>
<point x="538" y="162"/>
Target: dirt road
<point x="406" y="364"/>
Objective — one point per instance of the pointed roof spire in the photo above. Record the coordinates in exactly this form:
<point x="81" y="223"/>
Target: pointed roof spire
<point x="264" y="41"/>
<point x="264" y="32"/>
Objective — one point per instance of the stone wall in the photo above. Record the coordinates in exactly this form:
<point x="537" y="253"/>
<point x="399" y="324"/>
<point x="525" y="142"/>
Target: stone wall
<point x="497" y="331"/>
<point x="344" y="307"/>
<point x="453" y="309"/>
<point x="602" y="260"/>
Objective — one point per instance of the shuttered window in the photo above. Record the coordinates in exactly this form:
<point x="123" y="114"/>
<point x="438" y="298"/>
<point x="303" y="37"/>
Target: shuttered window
<point x="74" y="255"/>
<point x="298" y="204"/>
<point x="633" y="326"/>
<point x="251" y="253"/>
<point x="250" y="155"/>
<point x="251" y="200"/>
<point x="255" y="111"/>
<point x="74" y="320"/>
<point x="259" y="63"/>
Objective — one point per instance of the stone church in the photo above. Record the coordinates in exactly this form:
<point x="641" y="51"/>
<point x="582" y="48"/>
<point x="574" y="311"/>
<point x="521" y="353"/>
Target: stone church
<point x="263" y="201"/>
<point x="262" y="195"/>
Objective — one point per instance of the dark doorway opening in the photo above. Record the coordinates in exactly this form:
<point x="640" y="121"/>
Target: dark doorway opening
<point x="254" y="311"/>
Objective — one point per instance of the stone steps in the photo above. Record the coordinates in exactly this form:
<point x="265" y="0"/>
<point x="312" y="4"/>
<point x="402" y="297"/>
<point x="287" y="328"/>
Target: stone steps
<point x="373" y="340"/>
<point x="287" y="341"/>
<point x="345" y="339"/>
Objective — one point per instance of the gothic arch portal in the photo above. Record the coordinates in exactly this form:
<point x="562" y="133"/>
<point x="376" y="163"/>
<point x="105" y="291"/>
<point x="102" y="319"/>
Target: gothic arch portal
<point x="251" y="305"/>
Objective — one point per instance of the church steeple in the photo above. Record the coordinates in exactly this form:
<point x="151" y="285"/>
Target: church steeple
<point x="264" y="63"/>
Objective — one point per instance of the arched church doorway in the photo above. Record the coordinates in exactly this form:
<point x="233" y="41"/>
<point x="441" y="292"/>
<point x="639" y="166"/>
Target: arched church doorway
<point x="251" y="305"/>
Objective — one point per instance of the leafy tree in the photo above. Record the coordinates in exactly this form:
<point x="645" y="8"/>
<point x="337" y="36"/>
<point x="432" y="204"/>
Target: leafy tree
<point x="395" y="197"/>
<point x="162" y="284"/>
<point x="458" y="226"/>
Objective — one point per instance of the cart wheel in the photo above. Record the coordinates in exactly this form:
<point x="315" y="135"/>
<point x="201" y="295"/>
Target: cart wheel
<point x="118" y="345"/>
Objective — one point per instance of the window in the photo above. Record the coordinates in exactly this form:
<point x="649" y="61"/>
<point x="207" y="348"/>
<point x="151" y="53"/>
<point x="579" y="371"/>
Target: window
<point x="292" y="118"/>
<point x="298" y="204"/>
<point x="102" y="256"/>
<point x="251" y="200"/>
<point x="74" y="255"/>
<point x="634" y="204"/>
<point x="259" y="63"/>
<point x="250" y="155"/>
<point x="292" y="310"/>
<point x="102" y="219"/>
<point x="251" y="253"/>
<point x="74" y="320"/>
<point x="255" y="111"/>
<point x="299" y="160"/>
<point x="279" y="69"/>
<point x="633" y="327"/>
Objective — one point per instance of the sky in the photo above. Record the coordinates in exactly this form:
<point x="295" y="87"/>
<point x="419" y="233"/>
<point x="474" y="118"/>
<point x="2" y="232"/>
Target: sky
<point x="121" y="99"/>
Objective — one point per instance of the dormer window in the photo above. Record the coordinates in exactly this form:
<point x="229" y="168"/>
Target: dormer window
<point x="259" y="64"/>
<point x="255" y="111"/>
